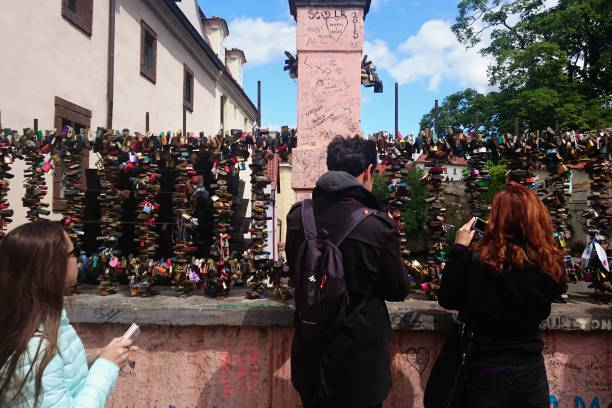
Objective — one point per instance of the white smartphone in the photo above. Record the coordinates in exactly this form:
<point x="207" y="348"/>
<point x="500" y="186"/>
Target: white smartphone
<point x="132" y="333"/>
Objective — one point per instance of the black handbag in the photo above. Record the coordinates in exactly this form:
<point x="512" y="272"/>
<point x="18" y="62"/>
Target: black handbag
<point x="448" y="376"/>
<point x="446" y="384"/>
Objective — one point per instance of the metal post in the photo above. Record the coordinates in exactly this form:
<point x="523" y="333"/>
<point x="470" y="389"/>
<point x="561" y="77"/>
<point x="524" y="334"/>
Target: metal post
<point x="556" y="126"/>
<point x="35" y="125"/>
<point x="476" y="124"/>
<point x="0" y="119"/>
<point x="598" y="127"/>
<point x="259" y="103"/>
<point x="396" y="110"/>
<point x="110" y="67"/>
<point x="184" y="121"/>
<point x="147" y="122"/>
<point x="516" y="129"/>
<point x="436" y="117"/>
<point x="222" y="113"/>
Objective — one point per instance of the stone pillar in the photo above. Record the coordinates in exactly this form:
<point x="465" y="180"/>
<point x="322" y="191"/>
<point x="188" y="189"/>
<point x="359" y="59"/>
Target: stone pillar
<point x="329" y="47"/>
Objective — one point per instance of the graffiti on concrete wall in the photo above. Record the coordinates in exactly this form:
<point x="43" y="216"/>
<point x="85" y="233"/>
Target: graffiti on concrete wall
<point x="418" y="358"/>
<point x="579" y="402"/>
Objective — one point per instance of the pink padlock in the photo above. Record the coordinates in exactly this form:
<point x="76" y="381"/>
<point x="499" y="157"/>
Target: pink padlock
<point x="425" y="287"/>
<point x="46" y="166"/>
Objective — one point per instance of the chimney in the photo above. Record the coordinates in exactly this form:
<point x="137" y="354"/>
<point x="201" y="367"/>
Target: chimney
<point x="216" y="31"/>
<point x="234" y="60"/>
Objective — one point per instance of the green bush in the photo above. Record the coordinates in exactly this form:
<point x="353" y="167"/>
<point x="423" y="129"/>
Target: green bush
<point x="379" y="188"/>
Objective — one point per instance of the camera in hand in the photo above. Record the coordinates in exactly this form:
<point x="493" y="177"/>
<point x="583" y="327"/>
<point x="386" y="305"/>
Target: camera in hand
<point x="480" y="225"/>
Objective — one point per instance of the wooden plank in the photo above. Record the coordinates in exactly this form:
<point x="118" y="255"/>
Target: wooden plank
<point x="72" y="106"/>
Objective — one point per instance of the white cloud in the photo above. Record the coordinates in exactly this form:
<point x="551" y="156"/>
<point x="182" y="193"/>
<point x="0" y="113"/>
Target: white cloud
<point x="433" y="55"/>
<point x="550" y="3"/>
<point x="261" y="41"/>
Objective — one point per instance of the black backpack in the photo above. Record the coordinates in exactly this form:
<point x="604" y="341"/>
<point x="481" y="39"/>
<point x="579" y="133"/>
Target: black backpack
<point x="321" y="297"/>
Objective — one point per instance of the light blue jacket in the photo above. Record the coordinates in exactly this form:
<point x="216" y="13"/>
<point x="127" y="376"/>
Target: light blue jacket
<point x="67" y="381"/>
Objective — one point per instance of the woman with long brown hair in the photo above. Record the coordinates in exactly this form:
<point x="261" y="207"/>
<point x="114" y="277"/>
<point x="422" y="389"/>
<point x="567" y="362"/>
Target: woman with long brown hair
<point x="503" y="289"/>
<point x="42" y="359"/>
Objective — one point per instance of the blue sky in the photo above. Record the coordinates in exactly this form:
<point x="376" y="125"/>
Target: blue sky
<point x="409" y="41"/>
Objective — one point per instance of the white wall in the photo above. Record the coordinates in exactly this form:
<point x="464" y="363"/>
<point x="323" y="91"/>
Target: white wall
<point x="39" y="62"/>
<point x="17" y="191"/>
<point x="454" y="172"/>
<point x="233" y="116"/>
<point x="135" y="95"/>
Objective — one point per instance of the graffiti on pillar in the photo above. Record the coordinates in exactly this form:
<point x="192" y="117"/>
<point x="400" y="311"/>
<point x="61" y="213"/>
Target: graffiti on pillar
<point x="325" y="105"/>
<point x="320" y="28"/>
<point x="418" y="358"/>
<point x="310" y="164"/>
<point x="355" y="25"/>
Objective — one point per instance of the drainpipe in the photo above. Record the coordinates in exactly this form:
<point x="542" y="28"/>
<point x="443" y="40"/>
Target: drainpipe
<point x="110" y="81"/>
<point x="273" y="195"/>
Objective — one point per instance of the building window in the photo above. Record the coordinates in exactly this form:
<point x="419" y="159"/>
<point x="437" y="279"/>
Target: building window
<point x="148" y="52"/>
<point x="187" y="88"/>
<point x="79" y="13"/>
<point x="77" y="117"/>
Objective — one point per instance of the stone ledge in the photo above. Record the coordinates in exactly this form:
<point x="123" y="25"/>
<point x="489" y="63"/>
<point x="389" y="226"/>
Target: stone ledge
<point x="415" y="313"/>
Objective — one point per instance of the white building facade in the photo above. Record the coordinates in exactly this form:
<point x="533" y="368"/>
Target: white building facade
<point x="109" y="62"/>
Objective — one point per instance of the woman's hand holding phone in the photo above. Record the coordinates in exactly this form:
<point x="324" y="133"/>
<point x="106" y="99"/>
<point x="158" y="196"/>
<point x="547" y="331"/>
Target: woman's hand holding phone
<point x="118" y="351"/>
<point x="465" y="234"/>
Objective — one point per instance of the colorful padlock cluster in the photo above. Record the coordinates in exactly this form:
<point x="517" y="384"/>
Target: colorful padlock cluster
<point x="257" y="254"/>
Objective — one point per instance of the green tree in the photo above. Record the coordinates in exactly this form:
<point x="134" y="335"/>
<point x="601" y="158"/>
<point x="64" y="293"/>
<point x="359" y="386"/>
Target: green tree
<point x="415" y="211"/>
<point x="497" y="182"/>
<point x="551" y="65"/>
<point x="458" y="111"/>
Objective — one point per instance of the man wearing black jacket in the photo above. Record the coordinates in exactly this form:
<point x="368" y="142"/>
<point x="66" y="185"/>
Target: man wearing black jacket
<point x="353" y="368"/>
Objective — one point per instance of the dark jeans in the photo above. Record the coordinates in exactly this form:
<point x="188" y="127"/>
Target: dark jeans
<point x="510" y="387"/>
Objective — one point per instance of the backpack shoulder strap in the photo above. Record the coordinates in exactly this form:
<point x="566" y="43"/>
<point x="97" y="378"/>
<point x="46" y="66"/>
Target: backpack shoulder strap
<point x="354" y="219"/>
<point x="308" y="221"/>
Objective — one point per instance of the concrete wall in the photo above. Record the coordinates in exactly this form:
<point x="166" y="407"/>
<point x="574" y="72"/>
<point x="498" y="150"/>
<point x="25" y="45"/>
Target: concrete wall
<point x="39" y="62"/>
<point x="218" y="366"/>
<point x="233" y="352"/>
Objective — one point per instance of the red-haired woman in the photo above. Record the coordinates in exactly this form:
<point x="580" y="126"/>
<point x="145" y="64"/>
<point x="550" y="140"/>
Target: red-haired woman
<point x="503" y="292"/>
<point x="42" y="359"/>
